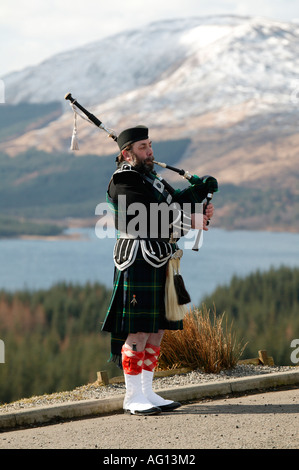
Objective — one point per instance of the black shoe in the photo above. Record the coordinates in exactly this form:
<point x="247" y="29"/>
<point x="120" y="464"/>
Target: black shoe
<point x="150" y="411"/>
<point x="170" y="406"/>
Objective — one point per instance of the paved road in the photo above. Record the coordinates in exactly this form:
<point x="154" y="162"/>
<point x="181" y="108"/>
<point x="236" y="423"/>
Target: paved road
<point x="258" y="421"/>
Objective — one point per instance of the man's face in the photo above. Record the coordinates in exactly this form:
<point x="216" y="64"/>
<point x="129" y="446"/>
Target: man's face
<point x="141" y="155"/>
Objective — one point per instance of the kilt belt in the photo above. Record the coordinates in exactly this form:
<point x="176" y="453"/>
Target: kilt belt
<point x="154" y="252"/>
<point x="137" y="302"/>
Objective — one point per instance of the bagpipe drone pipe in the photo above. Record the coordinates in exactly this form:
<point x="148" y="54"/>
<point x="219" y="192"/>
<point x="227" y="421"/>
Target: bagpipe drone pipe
<point x="209" y="183"/>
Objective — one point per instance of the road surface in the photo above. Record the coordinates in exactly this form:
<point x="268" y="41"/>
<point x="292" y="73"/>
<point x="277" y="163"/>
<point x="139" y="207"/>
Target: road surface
<point x="267" y="420"/>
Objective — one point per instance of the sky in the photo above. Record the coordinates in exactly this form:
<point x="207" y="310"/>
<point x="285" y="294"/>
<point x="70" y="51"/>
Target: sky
<point x="34" y="30"/>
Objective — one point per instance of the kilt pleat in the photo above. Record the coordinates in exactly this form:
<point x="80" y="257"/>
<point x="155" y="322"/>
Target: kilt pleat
<point x="137" y="303"/>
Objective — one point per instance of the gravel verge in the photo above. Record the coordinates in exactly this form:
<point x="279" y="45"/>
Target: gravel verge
<point x="94" y="391"/>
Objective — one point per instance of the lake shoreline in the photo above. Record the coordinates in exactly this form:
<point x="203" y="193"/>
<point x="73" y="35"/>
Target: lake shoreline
<point x="80" y="256"/>
<point x="83" y="223"/>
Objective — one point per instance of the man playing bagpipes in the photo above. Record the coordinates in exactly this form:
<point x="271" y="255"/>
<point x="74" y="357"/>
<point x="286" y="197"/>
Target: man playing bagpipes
<point x="149" y="295"/>
<point x="148" y="289"/>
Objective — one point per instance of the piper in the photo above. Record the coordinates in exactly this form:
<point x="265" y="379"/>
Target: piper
<point x="149" y="295"/>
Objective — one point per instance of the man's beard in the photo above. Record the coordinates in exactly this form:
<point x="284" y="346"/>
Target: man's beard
<point x="144" y="166"/>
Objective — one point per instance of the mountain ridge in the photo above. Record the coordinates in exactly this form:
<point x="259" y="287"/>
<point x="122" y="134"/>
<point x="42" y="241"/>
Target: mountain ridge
<point x="227" y="83"/>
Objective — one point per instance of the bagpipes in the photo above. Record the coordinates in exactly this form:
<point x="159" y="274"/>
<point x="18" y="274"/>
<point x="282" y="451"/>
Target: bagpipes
<point x="176" y="296"/>
<point x="209" y="182"/>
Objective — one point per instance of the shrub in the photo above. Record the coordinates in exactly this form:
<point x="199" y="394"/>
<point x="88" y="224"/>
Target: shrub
<point x="204" y="343"/>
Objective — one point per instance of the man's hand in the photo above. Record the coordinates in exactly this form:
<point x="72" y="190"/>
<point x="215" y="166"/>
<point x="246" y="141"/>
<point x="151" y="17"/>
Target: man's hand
<point x="209" y="211"/>
<point x="199" y="221"/>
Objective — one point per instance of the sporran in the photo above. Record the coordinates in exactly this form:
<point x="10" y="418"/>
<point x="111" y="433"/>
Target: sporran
<point x="176" y="295"/>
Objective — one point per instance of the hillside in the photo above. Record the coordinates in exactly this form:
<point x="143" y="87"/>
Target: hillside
<point x="227" y="84"/>
<point x="17" y="119"/>
<point x="264" y="310"/>
<point x="41" y="185"/>
<point x="42" y="192"/>
<point x="53" y="340"/>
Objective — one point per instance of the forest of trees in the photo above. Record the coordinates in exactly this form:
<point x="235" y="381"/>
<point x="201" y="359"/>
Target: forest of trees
<point x="53" y="339"/>
<point x="264" y="308"/>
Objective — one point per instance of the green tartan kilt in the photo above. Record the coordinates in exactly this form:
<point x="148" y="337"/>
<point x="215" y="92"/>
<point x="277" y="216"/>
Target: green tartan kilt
<point x="137" y="303"/>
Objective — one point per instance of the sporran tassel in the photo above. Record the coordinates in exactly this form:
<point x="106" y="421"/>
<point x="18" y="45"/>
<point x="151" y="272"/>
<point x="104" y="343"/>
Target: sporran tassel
<point x="182" y="294"/>
<point x="179" y="285"/>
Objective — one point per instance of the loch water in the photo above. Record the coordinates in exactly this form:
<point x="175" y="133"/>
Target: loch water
<point x="40" y="263"/>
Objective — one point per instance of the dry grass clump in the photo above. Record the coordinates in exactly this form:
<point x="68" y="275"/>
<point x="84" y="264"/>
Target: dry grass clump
<point x="204" y="343"/>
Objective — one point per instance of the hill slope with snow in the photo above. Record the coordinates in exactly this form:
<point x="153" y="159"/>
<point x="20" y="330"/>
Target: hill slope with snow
<point x="228" y="83"/>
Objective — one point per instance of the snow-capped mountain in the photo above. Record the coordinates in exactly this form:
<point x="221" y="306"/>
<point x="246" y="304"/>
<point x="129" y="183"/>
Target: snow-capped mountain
<point x="227" y="60"/>
<point x="206" y="78"/>
<point x="115" y="65"/>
